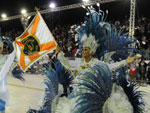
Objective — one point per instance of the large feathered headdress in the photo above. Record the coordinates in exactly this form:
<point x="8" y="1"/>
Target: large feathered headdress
<point x="91" y="32"/>
<point x="102" y="37"/>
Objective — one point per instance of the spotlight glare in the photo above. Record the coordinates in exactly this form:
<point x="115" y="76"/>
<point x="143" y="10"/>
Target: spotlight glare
<point x="83" y="6"/>
<point x="52" y="5"/>
<point x="4" y="15"/>
<point x="85" y="1"/>
<point x="107" y="11"/>
<point x="23" y="11"/>
<point x="98" y="4"/>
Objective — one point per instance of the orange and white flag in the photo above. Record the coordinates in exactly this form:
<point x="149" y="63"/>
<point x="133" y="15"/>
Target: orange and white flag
<point x="36" y="41"/>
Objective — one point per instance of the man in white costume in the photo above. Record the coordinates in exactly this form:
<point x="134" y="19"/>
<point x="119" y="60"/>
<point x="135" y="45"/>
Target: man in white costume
<point x="4" y="94"/>
<point x="5" y="64"/>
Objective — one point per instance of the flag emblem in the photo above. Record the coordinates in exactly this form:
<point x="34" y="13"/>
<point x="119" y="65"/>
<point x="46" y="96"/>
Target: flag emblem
<point x="31" y="45"/>
<point x="35" y="42"/>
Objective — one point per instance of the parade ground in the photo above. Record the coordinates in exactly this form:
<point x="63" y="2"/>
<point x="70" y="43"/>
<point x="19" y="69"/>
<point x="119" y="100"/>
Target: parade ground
<point x="25" y="95"/>
<point x="29" y="94"/>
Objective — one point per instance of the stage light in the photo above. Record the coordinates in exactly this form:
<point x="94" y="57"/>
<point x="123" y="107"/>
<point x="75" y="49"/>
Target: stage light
<point x="87" y="14"/>
<point x="23" y="11"/>
<point x="98" y="4"/>
<point x="83" y="6"/>
<point x="143" y="42"/>
<point x="52" y="5"/>
<point x="107" y="11"/>
<point x="4" y="15"/>
<point x="85" y="1"/>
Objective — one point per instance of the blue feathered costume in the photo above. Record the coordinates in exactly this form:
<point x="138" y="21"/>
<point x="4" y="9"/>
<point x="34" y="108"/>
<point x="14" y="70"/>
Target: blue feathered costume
<point x="94" y="90"/>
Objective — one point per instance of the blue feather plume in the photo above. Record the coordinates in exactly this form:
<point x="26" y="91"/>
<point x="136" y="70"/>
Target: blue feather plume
<point x="64" y="76"/>
<point x="116" y="41"/>
<point x="17" y="73"/>
<point x="131" y="90"/>
<point x="93" y="89"/>
<point x="51" y="91"/>
<point x="55" y="75"/>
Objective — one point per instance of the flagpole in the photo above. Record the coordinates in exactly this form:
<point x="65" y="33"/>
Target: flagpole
<point x="36" y="9"/>
<point x="66" y="62"/>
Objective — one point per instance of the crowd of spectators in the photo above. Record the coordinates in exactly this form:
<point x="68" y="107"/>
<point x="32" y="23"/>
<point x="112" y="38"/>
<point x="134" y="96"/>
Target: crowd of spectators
<point x="65" y="36"/>
<point x="67" y="39"/>
<point x="12" y="34"/>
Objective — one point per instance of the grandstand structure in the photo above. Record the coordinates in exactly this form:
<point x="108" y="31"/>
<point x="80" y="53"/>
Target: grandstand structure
<point x="26" y="17"/>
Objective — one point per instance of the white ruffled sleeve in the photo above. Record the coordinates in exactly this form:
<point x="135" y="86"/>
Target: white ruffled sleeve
<point x="117" y="65"/>
<point x="61" y="59"/>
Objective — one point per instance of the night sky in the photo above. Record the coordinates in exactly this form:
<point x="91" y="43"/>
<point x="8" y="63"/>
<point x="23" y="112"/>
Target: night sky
<point x="117" y="10"/>
<point x="13" y="7"/>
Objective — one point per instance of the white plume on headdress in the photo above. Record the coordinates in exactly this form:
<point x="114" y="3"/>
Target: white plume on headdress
<point x="90" y="42"/>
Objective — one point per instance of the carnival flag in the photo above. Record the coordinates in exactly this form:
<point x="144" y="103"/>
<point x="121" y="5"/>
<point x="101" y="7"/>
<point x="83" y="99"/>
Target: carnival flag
<point x="35" y="42"/>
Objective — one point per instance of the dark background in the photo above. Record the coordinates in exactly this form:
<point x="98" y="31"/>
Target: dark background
<point x="117" y="10"/>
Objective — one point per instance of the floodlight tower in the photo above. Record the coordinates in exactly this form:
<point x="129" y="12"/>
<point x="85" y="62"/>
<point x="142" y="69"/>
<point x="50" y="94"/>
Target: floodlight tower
<point x="132" y="18"/>
<point x="24" y="18"/>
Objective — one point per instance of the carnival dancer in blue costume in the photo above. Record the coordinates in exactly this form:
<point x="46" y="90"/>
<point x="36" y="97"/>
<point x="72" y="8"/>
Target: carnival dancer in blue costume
<point x="98" y="38"/>
<point x="94" y="91"/>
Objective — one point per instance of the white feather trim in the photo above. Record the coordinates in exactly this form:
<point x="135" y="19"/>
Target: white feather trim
<point x="62" y="105"/>
<point x="118" y="102"/>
